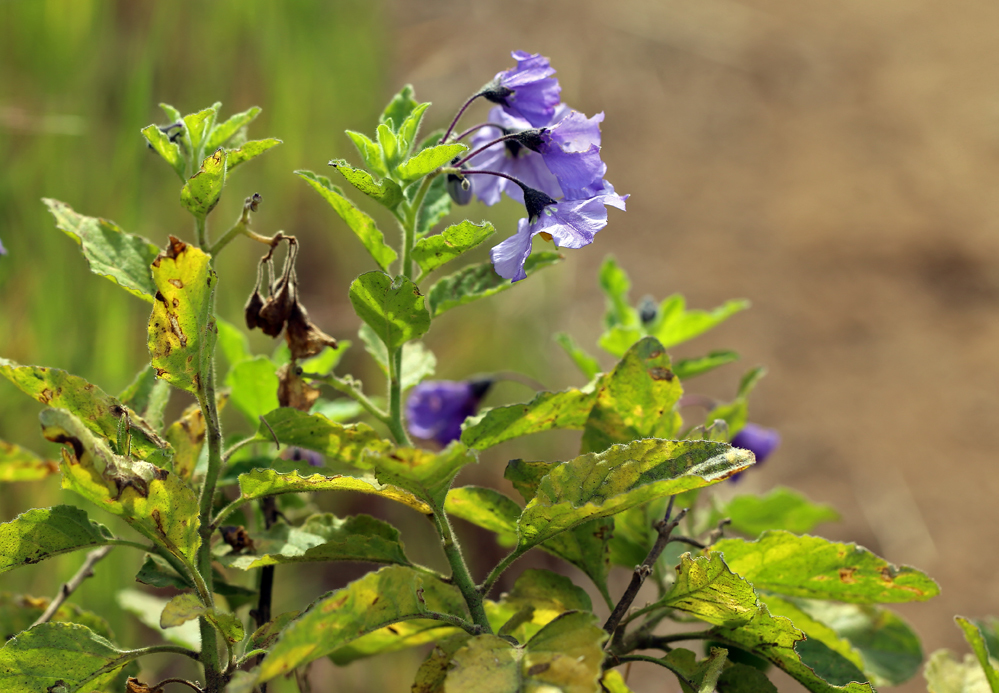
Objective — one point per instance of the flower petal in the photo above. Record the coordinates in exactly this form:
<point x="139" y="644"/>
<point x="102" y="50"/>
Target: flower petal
<point x="509" y="256"/>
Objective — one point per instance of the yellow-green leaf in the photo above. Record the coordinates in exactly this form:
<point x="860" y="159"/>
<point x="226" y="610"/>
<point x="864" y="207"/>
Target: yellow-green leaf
<point x="21" y="464"/>
<point x="202" y="191"/>
<point x="182" y="331"/>
<point x="431" y="252"/>
<point x="42" y="533"/>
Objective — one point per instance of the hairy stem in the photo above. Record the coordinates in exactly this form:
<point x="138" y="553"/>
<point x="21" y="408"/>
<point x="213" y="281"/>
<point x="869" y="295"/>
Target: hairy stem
<point x="494" y="575"/>
<point x="661" y="662"/>
<point x="351" y="388"/>
<point x="201" y="232"/>
<point x="459" y="571"/>
<point x="394" y="422"/>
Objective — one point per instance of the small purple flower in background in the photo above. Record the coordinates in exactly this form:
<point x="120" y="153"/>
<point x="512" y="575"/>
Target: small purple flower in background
<point x="758" y="440"/>
<point x="436" y="409"/>
<point x="297" y="454"/>
<point x="527" y="90"/>
<point x="3" y="251"/>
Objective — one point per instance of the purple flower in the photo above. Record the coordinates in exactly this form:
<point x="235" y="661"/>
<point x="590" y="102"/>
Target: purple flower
<point x="297" y="454"/>
<point x="3" y="251"/>
<point x="758" y="440"/>
<point x="512" y="158"/>
<point x="527" y="90"/>
<point x="567" y="223"/>
<point x="436" y="409"/>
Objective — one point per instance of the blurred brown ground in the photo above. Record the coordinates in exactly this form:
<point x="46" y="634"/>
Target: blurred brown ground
<point x="836" y="163"/>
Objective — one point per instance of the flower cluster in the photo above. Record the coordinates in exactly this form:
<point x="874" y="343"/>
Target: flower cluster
<point x="543" y="154"/>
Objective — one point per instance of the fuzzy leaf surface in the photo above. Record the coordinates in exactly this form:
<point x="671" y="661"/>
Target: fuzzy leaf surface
<point x="781" y="508"/>
<point x="386" y="191"/>
<point x="434" y="251"/>
<point x="59" y="657"/>
<point x="428" y="160"/>
<point x="707" y="589"/>
<point x="343" y="442"/>
<point x="182" y="332"/>
<point x="602" y="484"/>
<point x="99" y="411"/>
<point x="377" y="600"/>
<point x="817" y="568"/>
<point x="486" y="508"/>
<point x="153" y="501"/>
<point x="223" y="132"/>
<point x="479" y="281"/>
<point x="42" y="533"/>
<point x="269" y="482"/>
<point x="689" y="368"/>
<point x="170" y="151"/>
<point x="121" y="257"/>
<point x="360" y="223"/>
<point x="637" y="400"/>
<point x="248" y="150"/>
<point x="202" y="191"/>
<point x="974" y="637"/>
<point x="548" y="410"/>
<point x="322" y="537"/>
<point x="393" y="308"/>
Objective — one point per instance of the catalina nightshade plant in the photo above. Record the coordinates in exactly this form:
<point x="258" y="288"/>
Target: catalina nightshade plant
<point x="436" y="409"/>
<point x="759" y="440"/>
<point x="527" y="90"/>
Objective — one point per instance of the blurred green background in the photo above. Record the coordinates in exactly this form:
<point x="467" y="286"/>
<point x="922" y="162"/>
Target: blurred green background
<point x="834" y="163"/>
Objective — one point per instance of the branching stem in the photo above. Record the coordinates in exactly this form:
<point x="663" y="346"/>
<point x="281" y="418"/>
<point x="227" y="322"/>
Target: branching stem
<point x="86" y="570"/>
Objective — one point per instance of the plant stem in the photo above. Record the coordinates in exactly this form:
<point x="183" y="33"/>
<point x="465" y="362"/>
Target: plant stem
<point x="458" y="115"/>
<point x="86" y="570"/>
<point x="352" y="389"/>
<point x="201" y="232"/>
<point x="394" y="421"/>
<point x="661" y="662"/>
<point x="459" y="571"/>
<point x="486" y="586"/>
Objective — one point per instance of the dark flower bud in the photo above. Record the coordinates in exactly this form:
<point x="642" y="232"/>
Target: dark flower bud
<point x="276" y="309"/>
<point x="533" y="139"/>
<point x="496" y="92"/>
<point x="304" y="338"/>
<point x="459" y="189"/>
<point x="252" y="310"/>
<point x="535" y="201"/>
<point x="648" y="311"/>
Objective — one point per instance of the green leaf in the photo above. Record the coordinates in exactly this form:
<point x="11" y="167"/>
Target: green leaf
<point x="112" y="253"/>
<point x="782" y="508"/>
<point x="248" y="150"/>
<point x="42" y="533"/>
<point x="744" y="678"/>
<point x="432" y="252"/>
<point x="388" y="143"/>
<point x="428" y="160"/>
<point x="538" y="597"/>
<point x="387" y="191"/>
<point x="254" y="385"/>
<point x="153" y="501"/>
<point x="945" y="674"/>
<point x="187" y="607"/>
<point x="182" y="330"/>
<point x="99" y="411"/>
<point x="377" y="600"/>
<point x="147" y="608"/>
<point x="200" y="124"/>
<point x="344" y="443"/>
<point x="59" y="657"/>
<point x="21" y="464"/>
<point x="187" y="437"/>
<point x="977" y="641"/>
<point x="202" y="191"/>
<point x="436" y="205"/>
<point x="369" y="151"/>
<point x="360" y="223"/>
<point x="613" y="682"/>
<point x="431" y="674"/>
<point x="675" y="324"/>
<point x="485" y="508"/>
<point x="222" y="132"/>
<point x="400" y="107"/>
<point x="564" y="656"/>
<point x="586" y="363"/>
<point x="479" y="281"/>
<point x="323" y="537"/>
<point x="602" y="484"/>
<point x="410" y="126"/>
<point x="821" y="569"/>
<point x="169" y="150"/>
<point x="548" y="410"/>
<point x="427" y="475"/>
<point x="394" y="309"/>
<point x="876" y="640"/>
<point x="266" y="635"/>
<point x="637" y="400"/>
<point x="148" y="395"/>
<point x="326" y="360"/>
<point x="736" y="412"/>
<point x="688" y="368"/>
<point x="172" y="113"/>
<point x="269" y="482"/>
<point x="232" y="342"/>
<point x="615" y="284"/>
<point x="707" y="589"/>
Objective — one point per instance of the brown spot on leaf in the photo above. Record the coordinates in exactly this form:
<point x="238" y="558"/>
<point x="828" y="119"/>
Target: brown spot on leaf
<point x="70" y="440"/>
<point x="158" y="519"/>
<point x="45" y="396"/>
<point x="134" y="685"/>
<point x="178" y="283"/>
<point x="161" y="298"/>
<point x="175" y="247"/>
<point x="237" y="537"/>
<point x="160" y="474"/>
<point x="392" y="630"/>
<point x="660" y="373"/>
<point x="846" y="575"/>
<point x="539" y="668"/>
<point x="176" y="303"/>
<point x="179" y="333"/>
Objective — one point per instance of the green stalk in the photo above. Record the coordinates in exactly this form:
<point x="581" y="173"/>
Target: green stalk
<point x="499" y="570"/>
<point x="394" y="422"/>
<point x="201" y="232"/>
<point x="459" y="571"/>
